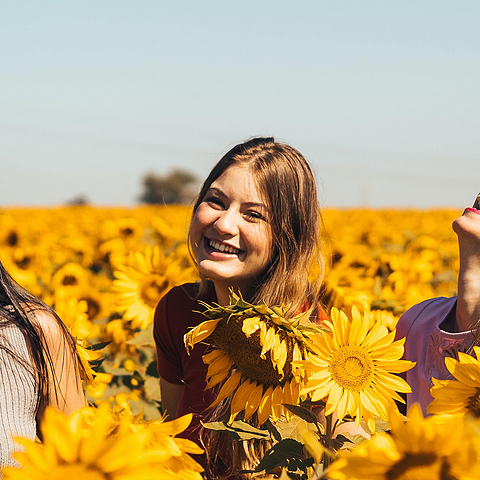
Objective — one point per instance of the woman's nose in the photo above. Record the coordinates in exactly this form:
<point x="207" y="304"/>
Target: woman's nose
<point x="226" y="223"/>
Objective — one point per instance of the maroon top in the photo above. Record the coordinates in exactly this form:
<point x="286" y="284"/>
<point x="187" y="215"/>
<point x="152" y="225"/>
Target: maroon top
<point x="174" y="316"/>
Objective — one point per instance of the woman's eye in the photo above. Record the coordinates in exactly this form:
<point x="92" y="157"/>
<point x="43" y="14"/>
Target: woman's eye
<point x="214" y="201"/>
<point x="255" y="215"/>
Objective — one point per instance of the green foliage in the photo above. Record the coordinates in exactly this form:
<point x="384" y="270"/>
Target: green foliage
<point x="287" y="453"/>
<point x="239" y="430"/>
<point x="167" y="189"/>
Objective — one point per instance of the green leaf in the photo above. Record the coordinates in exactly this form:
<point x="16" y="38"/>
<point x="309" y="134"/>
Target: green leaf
<point x="238" y="430"/>
<point x="292" y="428"/>
<point x="349" y="441"/>
<point x="309" y="403"/>
<point x="273" y="430"/>
<point x="117" y="372"/>
<point x="302" y="412"/>
<point x="100" y="346"/>
<point x="152" y="388"/>
<point x="152" y="369"/>
<point x="145" y="337"/>
<point x="280" y="455"/>
<point x="380" y="425"/>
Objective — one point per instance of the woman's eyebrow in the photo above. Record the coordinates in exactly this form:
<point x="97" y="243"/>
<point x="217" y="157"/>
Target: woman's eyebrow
<point x="215" y="190"/>
<point x="255" y="204"/>
<point x="220" y="192"/>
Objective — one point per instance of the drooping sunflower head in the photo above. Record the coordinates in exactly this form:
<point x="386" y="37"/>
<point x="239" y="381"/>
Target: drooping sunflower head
<point x="257" y="345"/>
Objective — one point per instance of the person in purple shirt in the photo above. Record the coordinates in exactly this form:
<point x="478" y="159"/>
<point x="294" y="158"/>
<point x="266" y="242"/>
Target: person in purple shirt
<point x="441" y="327"/>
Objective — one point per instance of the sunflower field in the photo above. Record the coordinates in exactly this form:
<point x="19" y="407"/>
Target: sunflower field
<point x="104" y="270"/>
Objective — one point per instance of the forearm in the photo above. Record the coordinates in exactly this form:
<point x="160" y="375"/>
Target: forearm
<point x="468" y="302"/>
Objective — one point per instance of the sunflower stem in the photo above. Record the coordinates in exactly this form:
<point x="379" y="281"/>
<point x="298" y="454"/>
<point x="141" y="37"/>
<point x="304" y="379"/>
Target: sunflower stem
<point x="329" y="429"/>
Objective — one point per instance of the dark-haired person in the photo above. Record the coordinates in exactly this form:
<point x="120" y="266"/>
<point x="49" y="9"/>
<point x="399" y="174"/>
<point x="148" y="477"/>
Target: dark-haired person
<point x="38" y="365"/>
<point x="256" y="222"/>
<point x="442" y="327"/>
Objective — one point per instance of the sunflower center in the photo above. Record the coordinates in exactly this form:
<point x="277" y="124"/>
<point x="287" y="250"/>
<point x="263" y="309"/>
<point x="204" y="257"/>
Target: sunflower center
<point x="93" y="307"/>
<point x="351" y="367"/>
<point x="70" y="280"/>
<point x="152" y="289"/>
<point x="423" y="465"/>
<point x="127" y="232"/>
<point x="24" y="263"/>
<point x="12" y="238"/>
<point x="245" y="353"/>
<point x="474" y="404"/>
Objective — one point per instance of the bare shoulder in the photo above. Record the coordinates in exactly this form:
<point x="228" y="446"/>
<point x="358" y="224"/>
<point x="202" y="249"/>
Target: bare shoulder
<point x="46" y="321"/>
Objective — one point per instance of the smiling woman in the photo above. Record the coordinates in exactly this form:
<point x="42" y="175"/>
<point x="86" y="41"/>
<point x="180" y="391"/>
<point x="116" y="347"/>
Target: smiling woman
<point x="230" y="235"/>
<point x="255" y="231"/>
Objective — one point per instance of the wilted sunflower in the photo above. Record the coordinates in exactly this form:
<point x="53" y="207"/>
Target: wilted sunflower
<point x="354" y="367"/>
<point x="441" y="447"/>
<point x="257" y="345"/>
<point x="144" y="280"/>
<point x="463" y="394"/>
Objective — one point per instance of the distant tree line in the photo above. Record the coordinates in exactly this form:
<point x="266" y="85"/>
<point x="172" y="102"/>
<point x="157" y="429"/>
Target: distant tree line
<point x="177" y="186"/>
<point x="174" y="187"/>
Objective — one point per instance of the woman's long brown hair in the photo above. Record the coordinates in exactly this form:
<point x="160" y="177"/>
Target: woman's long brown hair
<point x="288" y="186"/>
<point x="289" y="190"/>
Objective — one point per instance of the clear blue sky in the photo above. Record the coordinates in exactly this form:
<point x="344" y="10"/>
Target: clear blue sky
<point x="382" y="97"/>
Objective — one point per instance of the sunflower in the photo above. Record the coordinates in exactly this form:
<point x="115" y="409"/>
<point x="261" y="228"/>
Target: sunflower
<point x="354" y="366"/>
<point x="442" y="447"/>
<point x="96" y="390"/>
<point x="463" y="394"/>
<point x="98" y="444"/>
<point x="144" y="281"/>
<point x="88" y="358"/>
<point x="254" y="346"/>
<point x="71" y="277"/>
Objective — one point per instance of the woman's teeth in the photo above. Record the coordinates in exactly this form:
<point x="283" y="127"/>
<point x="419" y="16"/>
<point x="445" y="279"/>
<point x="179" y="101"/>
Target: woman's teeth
<point x="223" y="248"/>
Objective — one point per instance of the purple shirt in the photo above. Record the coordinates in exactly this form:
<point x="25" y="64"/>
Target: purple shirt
<point x="428" y="345"/>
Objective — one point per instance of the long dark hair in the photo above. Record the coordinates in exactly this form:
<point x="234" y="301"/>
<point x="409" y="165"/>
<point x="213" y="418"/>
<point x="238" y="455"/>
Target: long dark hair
<point x="18" y="306"/>
<point x="288" y="186"/>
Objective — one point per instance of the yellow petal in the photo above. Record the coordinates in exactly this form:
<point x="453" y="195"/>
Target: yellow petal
<point x="253" y="401"/>
<point x="250" y="326"/>
<point x="240" y="398"/>
<point x="265" y="407"/>
<point x="199" y="333"/>
<point x="227" y="388"/>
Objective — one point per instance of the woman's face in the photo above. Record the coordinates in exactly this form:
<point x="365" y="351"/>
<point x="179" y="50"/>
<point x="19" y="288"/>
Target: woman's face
<point x="230" y="234"/>
<point x="467" y="227"/>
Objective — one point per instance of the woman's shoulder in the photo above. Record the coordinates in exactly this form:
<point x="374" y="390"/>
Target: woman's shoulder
<point x="186" y="292"/>
<point x="48" y="323"/>
<point x="427" y="314"/>
<point x="182" y="304"/>
<point x="187" y="295"/>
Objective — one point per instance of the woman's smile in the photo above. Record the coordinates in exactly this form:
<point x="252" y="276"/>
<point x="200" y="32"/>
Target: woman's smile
<point x="214" y="247"/>
<point x="230" y="235"/>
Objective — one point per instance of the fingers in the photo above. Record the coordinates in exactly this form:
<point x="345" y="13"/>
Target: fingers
<point x="477" y="202"/>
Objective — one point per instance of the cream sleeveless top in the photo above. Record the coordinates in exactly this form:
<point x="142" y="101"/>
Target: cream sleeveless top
<point x="18" y="394"/>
